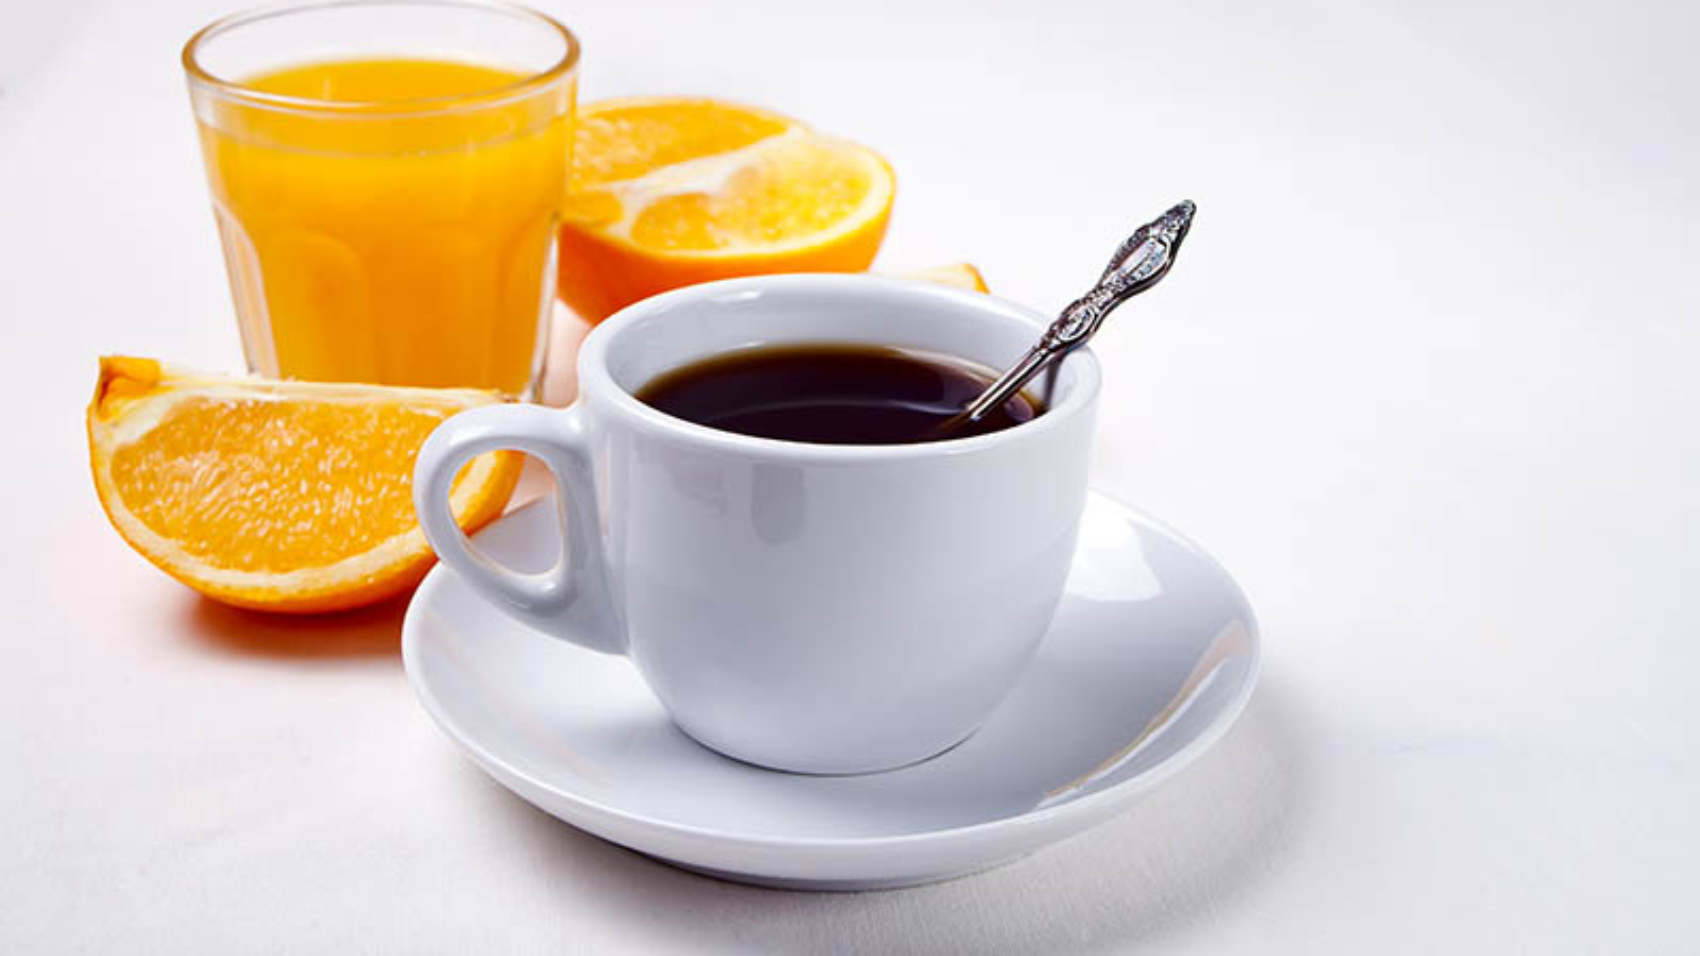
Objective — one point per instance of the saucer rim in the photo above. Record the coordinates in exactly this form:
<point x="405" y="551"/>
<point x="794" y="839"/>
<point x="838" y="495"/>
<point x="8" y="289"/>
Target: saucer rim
<point x="1123" y="792"/>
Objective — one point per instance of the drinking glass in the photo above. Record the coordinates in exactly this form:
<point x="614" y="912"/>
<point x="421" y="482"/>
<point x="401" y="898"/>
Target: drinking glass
<point x="387" y="177"/>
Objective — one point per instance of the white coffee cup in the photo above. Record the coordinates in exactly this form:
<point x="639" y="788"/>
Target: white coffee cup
<point x="807" y="607"/>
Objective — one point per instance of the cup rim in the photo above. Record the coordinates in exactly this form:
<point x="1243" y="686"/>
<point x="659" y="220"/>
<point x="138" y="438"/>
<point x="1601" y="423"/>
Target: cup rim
<point x="200" y="77"/>
<point x="595" y="379"/>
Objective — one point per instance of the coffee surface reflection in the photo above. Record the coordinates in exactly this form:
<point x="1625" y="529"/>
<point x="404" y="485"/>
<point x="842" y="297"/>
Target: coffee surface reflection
<point x="832" y="394"/>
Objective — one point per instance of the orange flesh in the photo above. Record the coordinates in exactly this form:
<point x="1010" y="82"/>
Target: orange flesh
<point x="233" y="481"/>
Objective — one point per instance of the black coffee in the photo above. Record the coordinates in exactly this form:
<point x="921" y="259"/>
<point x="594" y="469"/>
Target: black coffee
<point x="832" y="394"/>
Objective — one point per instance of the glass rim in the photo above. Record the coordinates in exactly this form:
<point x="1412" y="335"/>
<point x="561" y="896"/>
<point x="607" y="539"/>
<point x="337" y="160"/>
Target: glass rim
<point x="200" y="76"/>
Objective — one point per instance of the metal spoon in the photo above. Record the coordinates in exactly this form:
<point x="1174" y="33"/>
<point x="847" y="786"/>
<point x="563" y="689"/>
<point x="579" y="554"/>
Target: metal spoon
<point x="1140" y="262"/>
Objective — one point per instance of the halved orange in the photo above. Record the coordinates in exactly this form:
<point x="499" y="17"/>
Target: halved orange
<point x="282" y="496"/>
<point x="670" y="191"/>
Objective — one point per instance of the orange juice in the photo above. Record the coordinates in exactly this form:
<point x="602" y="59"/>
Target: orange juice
<point x="391" y="220"/>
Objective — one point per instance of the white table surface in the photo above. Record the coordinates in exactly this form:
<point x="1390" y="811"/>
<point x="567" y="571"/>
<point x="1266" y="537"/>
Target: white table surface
<point x="1425" y="382"/>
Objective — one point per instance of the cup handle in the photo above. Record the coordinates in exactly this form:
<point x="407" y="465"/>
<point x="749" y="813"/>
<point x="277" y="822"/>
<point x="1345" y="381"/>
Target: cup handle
<point x="570" y="600"/>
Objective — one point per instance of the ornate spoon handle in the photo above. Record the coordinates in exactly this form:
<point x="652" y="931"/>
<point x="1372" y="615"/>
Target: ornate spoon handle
<point x="1140" y="262"/>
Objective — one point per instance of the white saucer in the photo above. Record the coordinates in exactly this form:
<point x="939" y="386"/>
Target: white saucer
<point x="1152" y="655"/>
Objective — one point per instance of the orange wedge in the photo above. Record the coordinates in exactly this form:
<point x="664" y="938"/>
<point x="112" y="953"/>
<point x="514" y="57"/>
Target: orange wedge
<point x="667" y="192"/>
<point x="281" y="496"/>
<point x="960" y="274"/>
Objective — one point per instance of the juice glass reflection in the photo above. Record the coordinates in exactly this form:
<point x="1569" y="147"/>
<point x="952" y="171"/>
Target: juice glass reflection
<point x="387" y="179"/>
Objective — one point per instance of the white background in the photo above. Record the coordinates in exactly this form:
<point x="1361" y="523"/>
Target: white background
<point x="1424" y="380"/>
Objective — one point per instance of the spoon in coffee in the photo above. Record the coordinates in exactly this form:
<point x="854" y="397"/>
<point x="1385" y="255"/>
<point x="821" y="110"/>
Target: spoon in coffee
<point x="1140" y="262"/>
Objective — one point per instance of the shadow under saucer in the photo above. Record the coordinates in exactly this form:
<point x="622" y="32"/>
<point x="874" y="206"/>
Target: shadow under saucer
<point x="1201" y="842"/>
